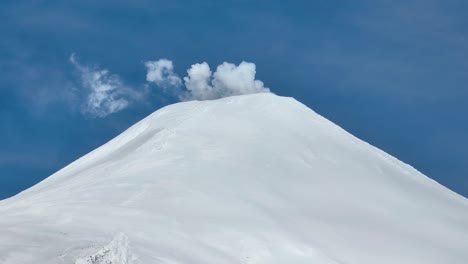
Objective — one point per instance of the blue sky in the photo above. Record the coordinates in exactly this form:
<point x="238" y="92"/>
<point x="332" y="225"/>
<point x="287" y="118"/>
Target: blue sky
<point x="393" y="73"/>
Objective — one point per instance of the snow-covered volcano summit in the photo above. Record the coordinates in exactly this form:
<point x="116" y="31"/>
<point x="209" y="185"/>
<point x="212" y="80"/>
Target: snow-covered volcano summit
<point x="254" y="179"/>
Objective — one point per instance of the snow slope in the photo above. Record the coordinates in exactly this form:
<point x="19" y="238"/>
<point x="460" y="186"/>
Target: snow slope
<point x="250" y="179"/>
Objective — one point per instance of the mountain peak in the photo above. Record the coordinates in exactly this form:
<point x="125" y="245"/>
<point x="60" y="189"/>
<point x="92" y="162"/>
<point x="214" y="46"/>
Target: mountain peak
<point x="247" y="179"/>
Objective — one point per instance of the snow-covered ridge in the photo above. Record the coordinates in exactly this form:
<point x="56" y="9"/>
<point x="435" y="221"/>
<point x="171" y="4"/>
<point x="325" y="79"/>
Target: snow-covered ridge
<point x="246" y="179"/>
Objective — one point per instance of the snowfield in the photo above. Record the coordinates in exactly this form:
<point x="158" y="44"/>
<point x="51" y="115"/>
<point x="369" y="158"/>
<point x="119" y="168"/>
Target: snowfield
<point x="254" y="179"/>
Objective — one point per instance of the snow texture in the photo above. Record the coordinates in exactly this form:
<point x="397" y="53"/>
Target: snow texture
<point x="117" y="252"/>
<point x="253" y="179"/>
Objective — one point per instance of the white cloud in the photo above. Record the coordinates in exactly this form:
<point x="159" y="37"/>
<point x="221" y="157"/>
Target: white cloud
<point x="161" y="72"/>
<point x="202" y="84"/>
<point x="198" y="82"/>
<point x="105" y="92"/>
<point x="227" y="80"/>
<point x="235" y="80"/>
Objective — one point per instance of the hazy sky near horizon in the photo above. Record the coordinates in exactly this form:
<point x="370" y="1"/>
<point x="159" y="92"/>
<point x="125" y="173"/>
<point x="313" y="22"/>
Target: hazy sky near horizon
<point x="74" y="74"/>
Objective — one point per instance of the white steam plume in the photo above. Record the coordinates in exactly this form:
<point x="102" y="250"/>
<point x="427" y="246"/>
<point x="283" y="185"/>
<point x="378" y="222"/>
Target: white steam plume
<point x="161" y="72"/>
<point x="202" y="84"/>
<point x="105" y="93"/>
